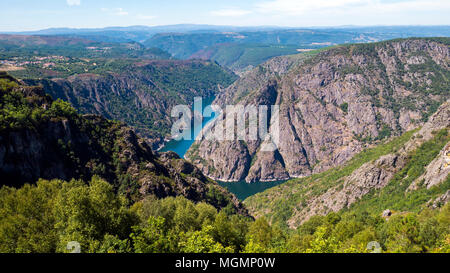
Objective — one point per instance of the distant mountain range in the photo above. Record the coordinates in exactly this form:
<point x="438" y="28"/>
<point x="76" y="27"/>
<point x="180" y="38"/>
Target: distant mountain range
<point x="143" y="33"/>
<point x="238" y="48"/>
<point x="138" y="33"/>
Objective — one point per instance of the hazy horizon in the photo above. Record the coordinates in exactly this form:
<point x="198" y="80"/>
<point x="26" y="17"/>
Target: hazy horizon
<point x="77" y="14"/>
<point x="220" y="26"/>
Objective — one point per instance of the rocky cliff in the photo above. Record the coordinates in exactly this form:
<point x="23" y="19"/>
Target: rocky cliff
<point x="333" y="104"/>
<point x="42" y="138"/>
<point x="141" y="94"/>
<point x="406" y="174"/>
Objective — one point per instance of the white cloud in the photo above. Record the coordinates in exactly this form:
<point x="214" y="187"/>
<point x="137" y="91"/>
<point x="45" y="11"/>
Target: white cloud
<point x="302" y="7"/>
<point x="120" y="12"/>
<point x="116" y="11"/>
<point x="230" y="12"/>
<point x="73" y="2"/>
<point x="298" y="7"/>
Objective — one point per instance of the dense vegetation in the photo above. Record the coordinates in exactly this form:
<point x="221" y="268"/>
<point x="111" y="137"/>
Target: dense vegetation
<point x="121" y="81"/>
<point x="18" y="112"/>
<point x="393" y="196"/>
<point x="184" y="45"/>
<point x="45" y="138"/>
<point x="35" y="46"/>
<point x="26" y="108"/>
<point x="139" y="93"/>
<point x="104" y="208"/>
<point x="106" y="217"/>
<point x="414" y="226"/>
<point x="427" y="231"/>
<point x="49" y="215"/>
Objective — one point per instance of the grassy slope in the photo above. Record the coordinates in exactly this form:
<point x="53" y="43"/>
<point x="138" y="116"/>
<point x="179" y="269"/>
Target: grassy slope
<point x="394" y="195"/>
<point x="277" y="203"/>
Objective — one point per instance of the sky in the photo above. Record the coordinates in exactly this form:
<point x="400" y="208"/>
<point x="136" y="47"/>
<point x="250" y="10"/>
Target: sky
<point x="25" y="15"/>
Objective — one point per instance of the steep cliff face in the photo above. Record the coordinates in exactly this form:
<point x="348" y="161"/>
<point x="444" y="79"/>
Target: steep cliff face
<point x="143" y="94"/>
<point x="332" y="105"/>
<point x="436" y="172"/>
<point x="42" y="138"/>
<point x="409" y="173"/>
<point x="376" y="175"/>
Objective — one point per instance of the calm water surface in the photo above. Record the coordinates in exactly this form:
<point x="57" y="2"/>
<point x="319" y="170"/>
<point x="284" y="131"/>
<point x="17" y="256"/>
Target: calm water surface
<point x="182" y="146"/>
<point x="241" y="189"/>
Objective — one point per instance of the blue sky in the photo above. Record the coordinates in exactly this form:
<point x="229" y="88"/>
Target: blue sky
<point x="17" y="15"/>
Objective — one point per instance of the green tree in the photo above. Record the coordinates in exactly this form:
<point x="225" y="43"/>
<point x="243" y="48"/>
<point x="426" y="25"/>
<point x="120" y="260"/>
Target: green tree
<point x="87" y="213"/>
<point x="151" y="238"/>
<point x="323" y="244"/>
<point x="26" y="218"/>
<point x="260" y="235"/>
<point x="202" y="242"/>
<point x="401" y="234"/>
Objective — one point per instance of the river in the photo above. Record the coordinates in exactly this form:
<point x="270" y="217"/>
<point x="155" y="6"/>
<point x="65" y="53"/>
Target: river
<point x="241" y="189"/>
<point x="182" y="146"/>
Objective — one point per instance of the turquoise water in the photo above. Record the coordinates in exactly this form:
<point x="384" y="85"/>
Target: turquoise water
<point x="182" y="146"/>
<point x="241" y="189"/>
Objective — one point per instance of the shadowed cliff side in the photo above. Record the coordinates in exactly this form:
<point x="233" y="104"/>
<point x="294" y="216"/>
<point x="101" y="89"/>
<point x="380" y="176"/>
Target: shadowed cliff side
<point x="43" y="138"/>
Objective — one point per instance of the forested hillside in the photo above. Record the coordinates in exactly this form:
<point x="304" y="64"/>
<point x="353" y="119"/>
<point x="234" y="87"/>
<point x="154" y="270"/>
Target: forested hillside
<point x="140" y="93"/>
<point x="26" y="46"/>
<point x="101" y="185"/>
<point x="183" y="45"/>
<point x="45" y="217"/>
<point x="45" y="138"/>
<point x="120" y="81"/>
<point x="242" y="58"/>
